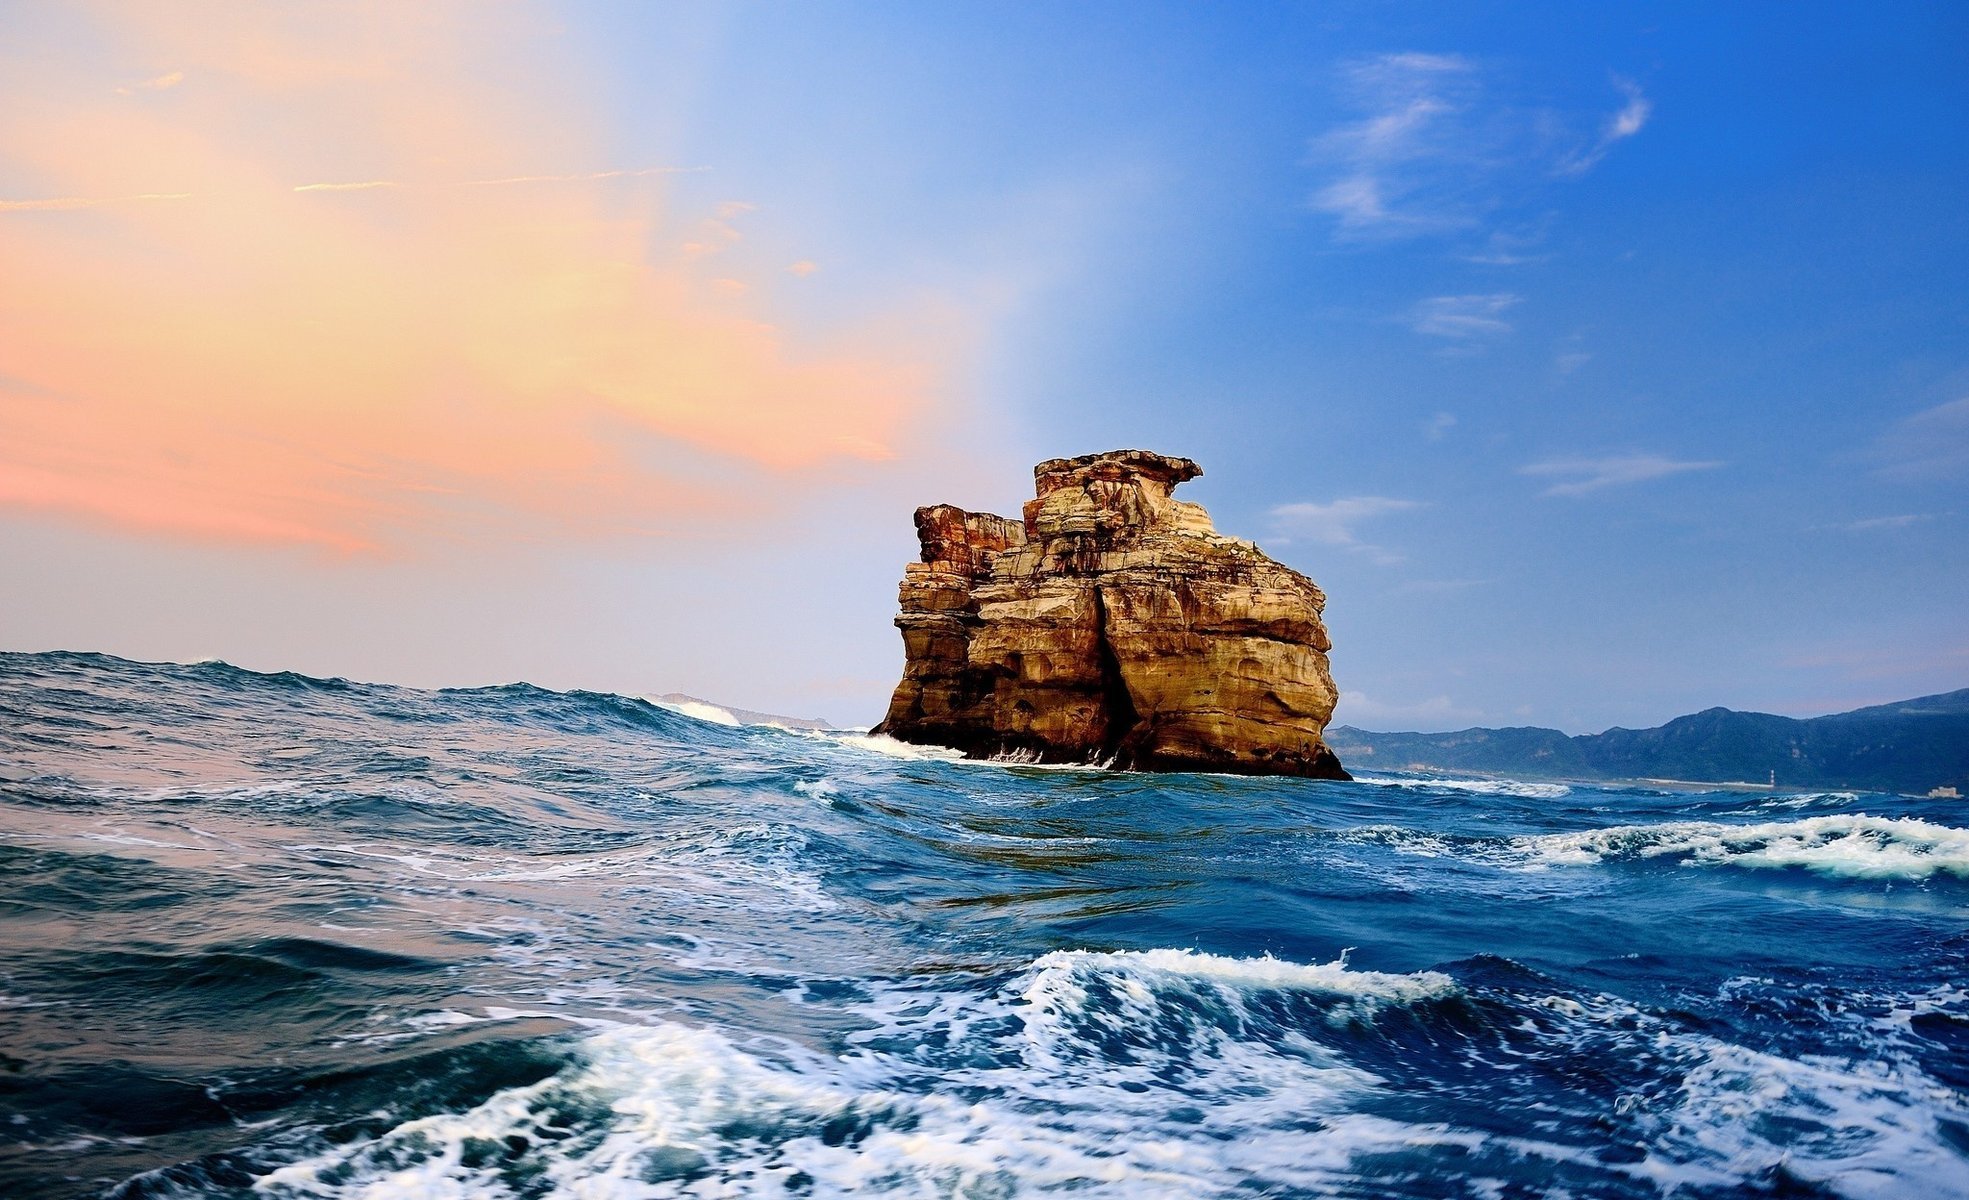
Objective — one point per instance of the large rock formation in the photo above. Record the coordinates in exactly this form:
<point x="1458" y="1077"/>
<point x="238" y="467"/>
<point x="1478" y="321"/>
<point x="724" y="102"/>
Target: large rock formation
<point x="1114" y="625"/>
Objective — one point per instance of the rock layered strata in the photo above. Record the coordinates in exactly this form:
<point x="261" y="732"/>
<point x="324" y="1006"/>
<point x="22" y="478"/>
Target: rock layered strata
<point x="1114" y="625"/>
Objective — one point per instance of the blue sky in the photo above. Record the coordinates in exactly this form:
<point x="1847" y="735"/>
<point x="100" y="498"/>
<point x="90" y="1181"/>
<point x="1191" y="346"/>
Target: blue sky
<point x="1602" y="363"/>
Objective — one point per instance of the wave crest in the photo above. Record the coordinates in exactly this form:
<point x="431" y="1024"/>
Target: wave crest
<point x="1479" y="787"/>
<point x="1854" y="846"/>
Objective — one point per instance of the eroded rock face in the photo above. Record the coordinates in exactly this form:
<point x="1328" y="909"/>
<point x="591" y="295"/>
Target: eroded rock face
<point x="1113" y="624"/>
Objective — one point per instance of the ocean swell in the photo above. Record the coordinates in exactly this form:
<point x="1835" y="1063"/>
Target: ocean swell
<point x="266" y="936"/>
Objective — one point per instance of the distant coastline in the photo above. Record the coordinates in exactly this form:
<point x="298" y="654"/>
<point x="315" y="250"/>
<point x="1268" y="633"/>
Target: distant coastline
<point x="1912" y="747"/>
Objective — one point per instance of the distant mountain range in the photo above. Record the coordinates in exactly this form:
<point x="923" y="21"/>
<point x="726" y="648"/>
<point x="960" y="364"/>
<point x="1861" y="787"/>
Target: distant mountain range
<point x="1910" y="747"/>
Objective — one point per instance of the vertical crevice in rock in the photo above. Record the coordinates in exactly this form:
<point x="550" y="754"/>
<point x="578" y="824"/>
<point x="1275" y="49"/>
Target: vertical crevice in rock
<point x="1115" y="701"/>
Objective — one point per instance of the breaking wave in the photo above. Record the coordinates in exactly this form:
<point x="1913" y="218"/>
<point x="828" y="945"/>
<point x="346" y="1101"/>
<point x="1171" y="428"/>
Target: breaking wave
<point x="1853" y="846"/>
<point x="1480" y="787"/>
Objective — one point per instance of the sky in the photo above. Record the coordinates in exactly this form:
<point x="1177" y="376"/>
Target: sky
<point x="1602" y="363"/>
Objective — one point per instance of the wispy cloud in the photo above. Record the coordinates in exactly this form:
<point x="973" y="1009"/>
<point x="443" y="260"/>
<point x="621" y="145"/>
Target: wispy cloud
<point x="1463" y="318"/>
<point x="1437" y="428"/>
<point x="366" y="185"/>
<point x="1439" y="147"/>
<point x="1332" y="524"/>
<point x="1582" y="475"/>
<point x="1872" y="524"/>
<point x="369" y="185"/>
<point x="65" y="203"/>
<point x="1394" y="170"/>
<point x="1509" y="248"/>
<point x="1932" y="444"/>
<point x="157" y="84"/>
<point x="1622" y="125"/>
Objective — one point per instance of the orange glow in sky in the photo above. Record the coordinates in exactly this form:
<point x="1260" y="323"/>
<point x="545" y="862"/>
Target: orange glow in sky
<point x="357" y="277"/>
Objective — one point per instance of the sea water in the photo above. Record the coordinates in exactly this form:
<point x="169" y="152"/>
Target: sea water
<point x="284" y="937"/>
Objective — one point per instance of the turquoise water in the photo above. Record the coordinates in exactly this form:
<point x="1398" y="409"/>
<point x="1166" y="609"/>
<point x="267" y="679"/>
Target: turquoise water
<point x="267" y="935"/>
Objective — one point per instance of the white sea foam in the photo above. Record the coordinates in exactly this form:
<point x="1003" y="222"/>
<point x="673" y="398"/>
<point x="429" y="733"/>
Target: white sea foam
<point x="1004" y="1093"/>
<point x="717" y="867"/>
<point x="1853" y="846"/>
<point x="1481" y="787"/>
<point x="890" y="747"/>
<point x="1850" y="846"/>
<point x="1866" y="1130"/>
<point x="1030" y="759"/>
<point x="1363" y="991"/>
<point x="1156" y="1074"/>
<point x="1408" y="841"/>
<point x="700" y="711"/>
<point x="396" y="1028"/>
<point x="1794" y="803"/>
<point x="1712" y="1114"/>
<point x="691" y="1112"/>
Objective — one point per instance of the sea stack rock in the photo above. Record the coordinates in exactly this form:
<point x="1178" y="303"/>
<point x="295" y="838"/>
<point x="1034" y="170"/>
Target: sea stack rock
<point x="1112" y="625"/>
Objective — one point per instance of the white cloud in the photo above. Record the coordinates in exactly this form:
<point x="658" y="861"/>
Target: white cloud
<point x="1868" y="524"/>
<point x="1566" y="364"/>
<point x="1932" y="444"/>
<point x="1508" y="248"/>
<point x="1392" y="168"/>
<point x="1437" y="427"/>
<point x="1438" y="148"/>
<point x="1628" y="121"/>
<point x="1619" y="127"/>
<point x="1333" y="524"/>
<point x="158" y="84"/>
<point x="1592" y="474"/>
<point x="1463" y="317"/>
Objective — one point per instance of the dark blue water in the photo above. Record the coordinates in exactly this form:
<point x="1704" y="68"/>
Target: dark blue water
<point x="276" y="936"/>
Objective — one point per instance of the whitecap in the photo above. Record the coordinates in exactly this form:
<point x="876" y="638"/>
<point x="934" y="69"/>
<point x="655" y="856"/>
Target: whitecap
<point x="1148" y="1074"/>
<point x="1370" y="989"/>
<point x="1006" y="1092"/>
<point x="889" y="747"/>
<point x="1795" y="802"/>
<point x="1025" y="760"/>
<point x="699" y="711"/>
<point x="1853" y="846"/>
<point x="1866" y="1130"/>
<point x="1481" y="787"/>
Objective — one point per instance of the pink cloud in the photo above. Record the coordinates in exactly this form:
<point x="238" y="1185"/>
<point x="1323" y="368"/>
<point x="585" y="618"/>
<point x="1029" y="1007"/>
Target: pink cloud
<point x="395" y="295"/>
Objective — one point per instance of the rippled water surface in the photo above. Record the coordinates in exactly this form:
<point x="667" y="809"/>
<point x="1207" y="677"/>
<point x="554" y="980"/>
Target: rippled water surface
<point x="266" y="935"/>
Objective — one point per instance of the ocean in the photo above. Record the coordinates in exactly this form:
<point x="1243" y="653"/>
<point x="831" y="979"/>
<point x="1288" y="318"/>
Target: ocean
<point x="276" y="936"/>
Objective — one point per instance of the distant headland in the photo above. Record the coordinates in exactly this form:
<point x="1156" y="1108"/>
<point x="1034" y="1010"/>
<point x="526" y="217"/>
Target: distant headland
<point x="1112" y="624"/>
